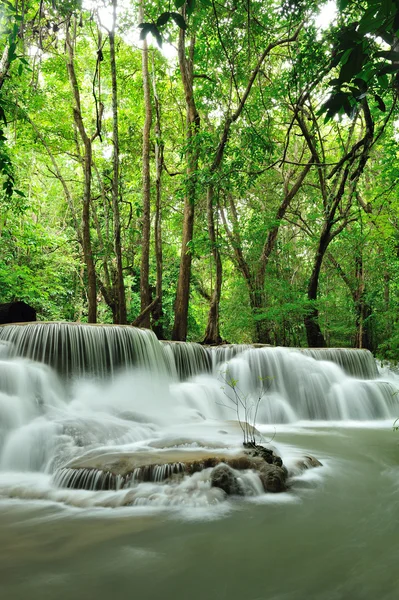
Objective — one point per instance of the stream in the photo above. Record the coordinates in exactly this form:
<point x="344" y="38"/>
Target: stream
<point x="332" y="535"/>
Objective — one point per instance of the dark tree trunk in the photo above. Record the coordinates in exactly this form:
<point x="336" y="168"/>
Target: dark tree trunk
<point x="212" y="333"/>
<point x="313" y="332"/>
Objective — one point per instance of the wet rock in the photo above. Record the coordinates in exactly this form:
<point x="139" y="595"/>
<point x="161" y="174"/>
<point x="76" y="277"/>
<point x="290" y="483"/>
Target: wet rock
<point x="308" y="462"/>
<point x="223" y="477"/>
<point x="98" y="470"/>
<point x="273" y="477"/>
<point x="268" y="455"/>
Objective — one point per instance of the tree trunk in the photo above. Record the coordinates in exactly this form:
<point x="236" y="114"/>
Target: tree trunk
<point x="120" y="285"/>
<point x="87" y="170"/>
<point x="145" y="293"/>
<point x="212" y="333"/>
<point x="157" y="313"/>
<point x="192" y="128"/>
<point x="313" y="332"/>
<point x="257" y="303"/>
<point x="362" y="308"/>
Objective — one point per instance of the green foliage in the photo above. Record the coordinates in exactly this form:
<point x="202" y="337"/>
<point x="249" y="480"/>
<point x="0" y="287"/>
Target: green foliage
<point x="366" y="67"/>
<point x="41" y="259"/>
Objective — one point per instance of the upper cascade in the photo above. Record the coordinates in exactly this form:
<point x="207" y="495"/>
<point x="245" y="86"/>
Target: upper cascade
<point x="355" y="362"/>
<point x="79" y="349"/>
<point x="76" y="349"/>
<point x="186" y="359"/>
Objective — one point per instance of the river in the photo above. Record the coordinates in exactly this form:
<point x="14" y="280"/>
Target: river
<point x="331" y="536"/>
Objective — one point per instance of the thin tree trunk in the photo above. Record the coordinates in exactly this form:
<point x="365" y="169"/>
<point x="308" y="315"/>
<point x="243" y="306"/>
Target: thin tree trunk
<point x="313" y="332"/>
<point x="87" y="169"/>
<point x="212" y="333"/>
<point x="362" y="307"/>
<point x="192" y="128"/>
<point x="157" y="313"/>
<point x="145" y="293"/>
<point x="120" y="285"/>
<point x="256" y="280"/>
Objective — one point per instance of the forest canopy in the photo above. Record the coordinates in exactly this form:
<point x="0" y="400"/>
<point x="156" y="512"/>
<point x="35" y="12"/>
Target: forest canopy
<point x="213" y="170"/>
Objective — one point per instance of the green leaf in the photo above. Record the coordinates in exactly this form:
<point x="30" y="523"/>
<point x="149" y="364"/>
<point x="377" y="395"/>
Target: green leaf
<point x="179" y="3"/>
<point x="338" y="102"/>
<point x="3" y="115"/>
<point x="178" y="19"/>
<point x="387" y="69"/>
<point x="361" y="84"/>
<point x="369" y="23"/>
<point x="389" y="55"/>
<point x="156" y="33"/>
<point x="163" y="18"/>
<point x="146" y="28"/>
<point x="380" y="103"/>
<point x="190" y="7"/>
<point x="383" y="80"/>
<point x="353" y="65"/>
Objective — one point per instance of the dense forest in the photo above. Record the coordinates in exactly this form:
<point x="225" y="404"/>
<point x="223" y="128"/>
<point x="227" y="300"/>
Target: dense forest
<point x="216" y="171"/>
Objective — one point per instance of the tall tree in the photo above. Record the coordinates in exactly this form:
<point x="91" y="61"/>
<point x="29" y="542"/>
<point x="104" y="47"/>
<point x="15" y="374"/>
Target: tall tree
<point x="120" y="284"/>
<point x="145" y="292"/>
<point x="186" y="63"/>
<point x="87" y="141"/>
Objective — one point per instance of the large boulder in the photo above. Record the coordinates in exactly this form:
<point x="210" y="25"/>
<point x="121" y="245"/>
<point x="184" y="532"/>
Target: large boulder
<point x="273" y="478"/>
<point x="16" y="312"/>
<point x="224" y="477"/>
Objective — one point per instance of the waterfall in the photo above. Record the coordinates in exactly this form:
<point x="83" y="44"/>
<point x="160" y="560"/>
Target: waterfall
<point x="99" y="408"/>
<point x="79" y="349"/>
<point x="68" y="389"/>
<point x="291" y="386"/>
<point x="359" y="363"/>
<point x="187" y="359"/>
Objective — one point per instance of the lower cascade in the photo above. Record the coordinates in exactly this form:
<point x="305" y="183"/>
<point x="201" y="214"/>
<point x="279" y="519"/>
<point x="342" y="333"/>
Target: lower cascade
<point x="108" y="416"/>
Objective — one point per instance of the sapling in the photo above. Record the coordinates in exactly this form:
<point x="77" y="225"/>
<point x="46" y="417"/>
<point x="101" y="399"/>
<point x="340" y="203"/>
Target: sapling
<point x="244" y="403"/>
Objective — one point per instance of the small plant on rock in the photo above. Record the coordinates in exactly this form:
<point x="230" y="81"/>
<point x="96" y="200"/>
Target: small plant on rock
<point x="245" y="406"/>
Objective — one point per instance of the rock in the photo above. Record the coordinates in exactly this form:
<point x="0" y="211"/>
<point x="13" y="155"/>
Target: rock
<point x="223" y="477"/>
<point x="267" y="454"/>
<point x="16" y="312"/>
<point x="273" y="478"/>
<point x="308" y="462"/>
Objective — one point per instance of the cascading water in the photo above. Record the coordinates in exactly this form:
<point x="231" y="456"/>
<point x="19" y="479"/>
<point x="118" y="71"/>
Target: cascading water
<point x="75" y="350"/>
<point x="101" y="417"/>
